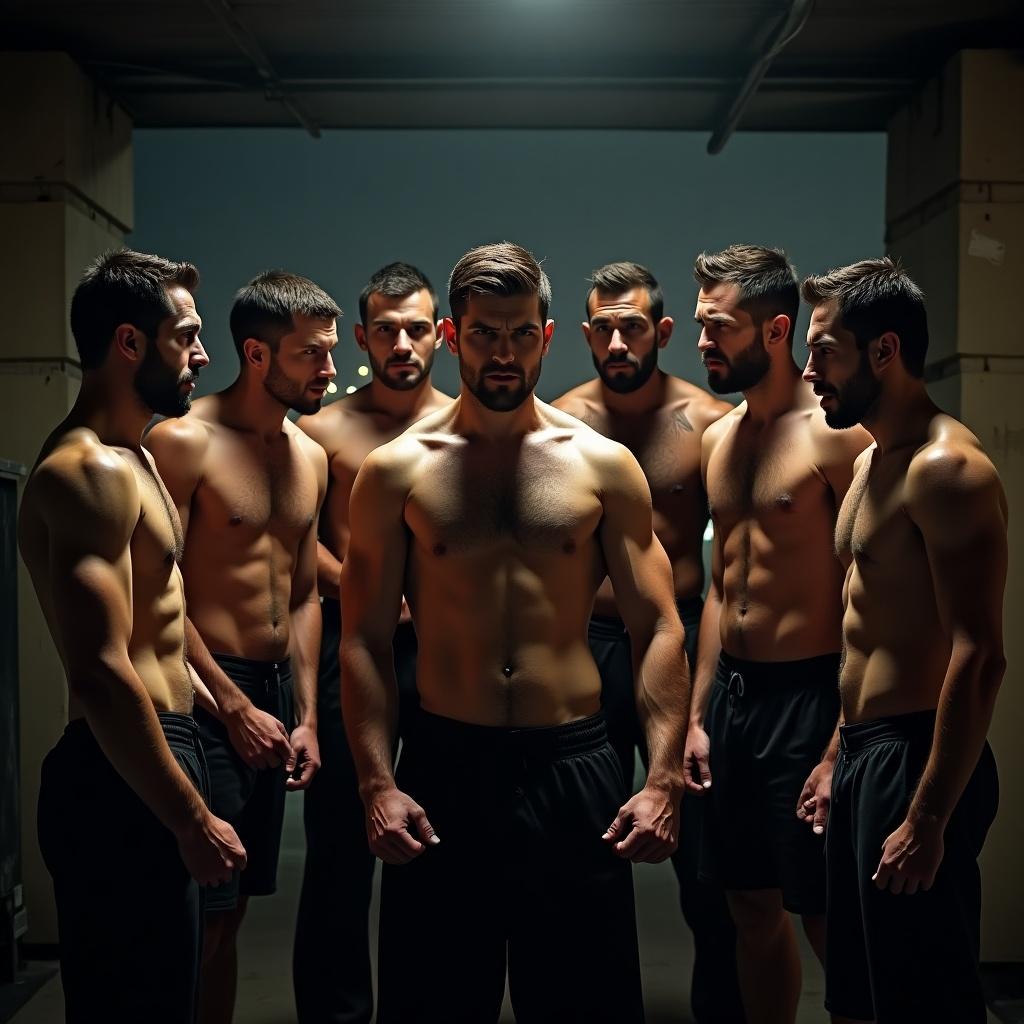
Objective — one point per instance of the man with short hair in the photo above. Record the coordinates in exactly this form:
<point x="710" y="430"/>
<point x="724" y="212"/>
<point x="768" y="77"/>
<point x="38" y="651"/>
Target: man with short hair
<point x="914" y="789"/>
<point x="248" y="485"/>
<point x="399" y="331"/>
<point x="497" y="517"/>
<point x="123" y="824"/>
<point x="766" y="699"/>
<point x="661" y="420"/>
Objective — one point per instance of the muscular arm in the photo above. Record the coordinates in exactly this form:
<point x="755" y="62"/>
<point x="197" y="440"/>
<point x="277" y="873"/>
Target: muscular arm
<point x="92" y="508"/>
<point x="642" y="578"/>
<point x="956" y="500"/>
<point x="305" y="630"/>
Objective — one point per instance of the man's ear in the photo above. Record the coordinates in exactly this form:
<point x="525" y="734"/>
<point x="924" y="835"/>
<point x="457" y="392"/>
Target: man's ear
<point x="130" y="342"/>
<point x="549" y="329"/>
<point x="886" y="349"/>
<point x="256" y="353"/>
<point x="451" y="335"/>
<point x="664" y="328"/>
<point x="777" y="329"/>
<point x="438" y="334"/>
<point x="586" y="332"/>
<point x="360" y="332"/>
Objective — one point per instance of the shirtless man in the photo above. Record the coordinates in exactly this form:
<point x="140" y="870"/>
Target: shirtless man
<point x="399" y="331"/>
<point x="661" y="420"/>
<point x="248" y="485"/>
<point x="923" y="530"/>
<point x="498" y="517"/>
<point x="766" y="698"/>
<point x="123" y="822"/>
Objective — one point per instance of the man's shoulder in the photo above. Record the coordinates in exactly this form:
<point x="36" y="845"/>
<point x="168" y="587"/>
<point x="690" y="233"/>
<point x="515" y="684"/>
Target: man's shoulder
<point x="835" y="446"/>
<point x="185" y="436"/>
<point x="715" y="431"/>
<point x="578" y="400"/>
<point x="951" y="464"/>
<point x="328" y="426"/>
<point x="308" y="445"/>
<point x="701" y="407"/>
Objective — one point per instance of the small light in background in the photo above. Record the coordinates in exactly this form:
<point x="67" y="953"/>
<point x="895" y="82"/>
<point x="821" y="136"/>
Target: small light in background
<point x="332" y="388"/>
<point x="363" y="371"/>
<point x="709" y="531"/>
<point x="350" y="389"/>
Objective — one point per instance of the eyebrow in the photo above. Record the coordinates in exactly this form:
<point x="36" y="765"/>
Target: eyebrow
<point x="820" y="339"/>
<point x="715" y="318"/>
<point x="604" y="318"/>
<point x="188" y="324"/>
<point x="389" y="321"/>
<point x="518" y="327"/>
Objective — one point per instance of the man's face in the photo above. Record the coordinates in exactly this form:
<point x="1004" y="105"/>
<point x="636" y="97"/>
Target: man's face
<point x="302" y="367"/>
<point x="399" y="338"/>
<point x="623" y="339"/>
<point x="501" y="343"/>
<point x="838" y="370"/>
<point x="731" y="344"/>
<point x="170" y="367"/>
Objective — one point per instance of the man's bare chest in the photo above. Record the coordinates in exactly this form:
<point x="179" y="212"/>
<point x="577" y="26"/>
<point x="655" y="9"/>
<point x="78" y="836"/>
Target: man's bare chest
<point x="873" y="526"/>
<point x="668" y="450"/>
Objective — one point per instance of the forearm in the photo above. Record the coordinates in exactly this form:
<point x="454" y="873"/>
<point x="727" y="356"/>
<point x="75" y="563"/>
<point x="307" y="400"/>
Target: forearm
<point x="663" y="699"/>
<point x="306" y="626"/>
<point x="121" y="716"/>
<point x="328" y="572"/>
<point x="227" y="696"/>
<point x="709" y="650"/>
<point x="201" y="693"/>
<point x="961" y="725"/>
<point x="369" y="699"/>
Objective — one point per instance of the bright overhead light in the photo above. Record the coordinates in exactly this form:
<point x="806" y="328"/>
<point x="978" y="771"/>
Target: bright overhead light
<point x="350" y="389"/>
<point x="363" y="371"/>
<point x="709" y="531"/>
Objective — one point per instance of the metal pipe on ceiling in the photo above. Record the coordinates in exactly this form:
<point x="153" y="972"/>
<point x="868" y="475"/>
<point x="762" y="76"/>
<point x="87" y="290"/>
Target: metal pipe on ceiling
<point x="797" y="16"/>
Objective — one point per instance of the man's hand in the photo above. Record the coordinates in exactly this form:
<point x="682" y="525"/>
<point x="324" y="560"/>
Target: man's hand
<point x="911" y="857"/>
<point x="397" y="827"/>
<point x="307" y="757"/>
<point x="696" y="766"/>
<point x="211" y="850"/>
<point x="816" y="796"/>
<point x="260" y="739"/>
<point x="646" y="829"/>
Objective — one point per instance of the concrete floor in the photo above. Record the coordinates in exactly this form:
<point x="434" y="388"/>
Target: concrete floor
<point x="265" y="988"/>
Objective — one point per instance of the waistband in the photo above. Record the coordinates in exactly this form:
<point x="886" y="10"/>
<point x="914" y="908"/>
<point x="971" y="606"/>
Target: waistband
<point x="611" y="627"/>
<point x="739" y="675"/>
<point x="551" y="742"/>
<point x="915" y="727"/>
<point x="249" y="671"/>
<point x="180" y="731"/>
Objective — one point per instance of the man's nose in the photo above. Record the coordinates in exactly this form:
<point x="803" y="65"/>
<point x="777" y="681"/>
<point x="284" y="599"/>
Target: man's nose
<point x="198" y="358"/>
<point x="403" y="343"/>
<point x="328" y="370"/>
<point x="704" y="342"/>
<point x="810" y="373"/>
<point x="617" y="346"/>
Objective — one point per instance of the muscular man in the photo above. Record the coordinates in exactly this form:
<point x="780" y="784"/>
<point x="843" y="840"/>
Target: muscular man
<point x="661" y="420"/>
<point x="505" y="835"/>
<point x="766" y="694"/>
<point x="399" y="332"/>
<point x="248" y="485"/>
<point x="914" y="789"/>
<point x="123" y="823"/>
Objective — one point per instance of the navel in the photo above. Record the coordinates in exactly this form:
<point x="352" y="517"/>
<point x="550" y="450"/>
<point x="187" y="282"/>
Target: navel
<point x="235" y="520"/>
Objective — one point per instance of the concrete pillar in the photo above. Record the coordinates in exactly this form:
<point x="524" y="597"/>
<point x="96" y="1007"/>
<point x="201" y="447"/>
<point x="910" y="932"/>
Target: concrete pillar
<point x="955" y="216"/>
<point x="65" y="196"/>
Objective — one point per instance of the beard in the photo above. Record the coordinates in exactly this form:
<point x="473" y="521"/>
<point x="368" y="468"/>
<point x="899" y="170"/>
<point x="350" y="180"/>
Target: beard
<point x="855" y="398"/>
<point x="505" y="397"/>
<point x="160" y="389"/>
<point x="290" y="393"/>
<point x="745" y="370"/>
<point x="404" y="381"/>
<point x="625" y="383"/>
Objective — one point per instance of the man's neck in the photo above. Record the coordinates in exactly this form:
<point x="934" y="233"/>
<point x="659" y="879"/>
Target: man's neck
<point x="473" y="419"/>
<point x="901" y="416"/>
<point x="647" y="398"/>
<point x="112" y="411"/>
<point x="247" y="405"/>
<point x="400" y="406"/>
<point x="781" y="390"/>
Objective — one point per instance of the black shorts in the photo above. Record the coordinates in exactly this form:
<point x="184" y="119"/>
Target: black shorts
<point x="768" y="724"/>
<point x="129" y="916"/>
<point x="251" y="800"/>
<point x="898" y="958"/>
<point x="521" y="880"/>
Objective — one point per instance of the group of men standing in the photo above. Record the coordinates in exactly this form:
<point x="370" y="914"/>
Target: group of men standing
<point x="514" y="591"/>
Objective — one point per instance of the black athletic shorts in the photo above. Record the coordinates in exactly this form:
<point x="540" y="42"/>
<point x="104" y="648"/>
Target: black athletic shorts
<point x="251" y="800"/>
<point x="129" y="916"/>
<point x="898" y="958"/>
<point x="768" y="724"/>
<point x="520" y="880"/>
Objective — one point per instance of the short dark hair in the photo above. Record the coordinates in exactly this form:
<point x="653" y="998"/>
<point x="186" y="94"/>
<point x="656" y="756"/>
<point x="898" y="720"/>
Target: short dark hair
<point x="123" y="287"/>
<point x="875" y="296"/>
<point x="616" y="278"/>
<point x="502" y="268"/>
<point x="265" y="308"/>
<point x="396" y="281"/>
<point x="766" y="279"/>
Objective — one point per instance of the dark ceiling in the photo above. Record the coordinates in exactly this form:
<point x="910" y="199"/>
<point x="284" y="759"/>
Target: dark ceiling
<point x="841" y="64"/>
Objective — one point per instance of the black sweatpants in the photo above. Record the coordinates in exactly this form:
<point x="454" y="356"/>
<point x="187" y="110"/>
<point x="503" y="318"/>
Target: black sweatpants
<point x="129" y="915"/>
<point x="331" y="961"/>
<point x="521" y="880"/>
<point x="893" y="958"/>
<point x="714" y="986"/>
